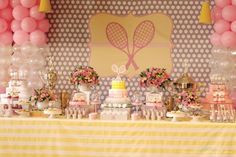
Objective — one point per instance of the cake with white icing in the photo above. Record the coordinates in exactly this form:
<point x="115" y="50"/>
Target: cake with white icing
<point x="117" y="106"/>
<point x="18" y="94"/>
<point x="118" y="94"/>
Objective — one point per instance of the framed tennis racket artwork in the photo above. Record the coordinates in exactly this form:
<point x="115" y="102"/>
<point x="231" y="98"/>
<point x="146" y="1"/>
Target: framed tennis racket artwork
<point x="137" y="42"/>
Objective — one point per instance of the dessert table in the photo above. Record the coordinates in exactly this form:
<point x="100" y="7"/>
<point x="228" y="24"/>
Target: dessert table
<point x="34" y="137"/>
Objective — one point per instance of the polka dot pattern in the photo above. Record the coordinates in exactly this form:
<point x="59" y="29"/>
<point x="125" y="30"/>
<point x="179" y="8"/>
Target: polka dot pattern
<point x="69" y="36"/>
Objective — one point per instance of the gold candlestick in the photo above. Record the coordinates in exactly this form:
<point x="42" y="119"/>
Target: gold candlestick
<point x="50" y="77"/>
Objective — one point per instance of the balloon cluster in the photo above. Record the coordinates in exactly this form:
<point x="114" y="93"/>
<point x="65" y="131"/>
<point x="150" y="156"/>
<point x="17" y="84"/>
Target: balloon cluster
<point x="222" y="67"/>
<point x="224" y="17"/>
<point x="28" y="60"/>
<point x="5" y="22"/>
<point x="29" y="25"/>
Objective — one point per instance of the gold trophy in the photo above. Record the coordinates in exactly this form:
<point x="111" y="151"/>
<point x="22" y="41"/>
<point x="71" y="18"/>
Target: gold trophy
<point x="50" y="76"/>
<point x="185" y="82"/>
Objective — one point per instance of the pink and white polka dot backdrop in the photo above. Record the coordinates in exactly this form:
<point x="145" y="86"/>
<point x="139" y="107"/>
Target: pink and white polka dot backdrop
<point x="69" y="36"/>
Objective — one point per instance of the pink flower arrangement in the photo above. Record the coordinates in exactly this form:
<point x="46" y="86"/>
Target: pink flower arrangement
<point x="154" y="77"/>
<point x="188" y="101"/>
<point x="187" y="98"/>
<point x="43" y="94"/>
<point x="84" y="75"/>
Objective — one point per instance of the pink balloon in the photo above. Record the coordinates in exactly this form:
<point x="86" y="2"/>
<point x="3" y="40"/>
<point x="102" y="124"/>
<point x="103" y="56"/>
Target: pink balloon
<point x="3" y="4"/>
<point x="222" y="3"/>
<point x="216" y="40"/>
<point x="228" y="39"/>
<point x="216" y="13"/>
<point x="15" y="25"/>
<point x="6" y="38"/>
<point x="20" y="12"/>
<point x="38" y="38"/>
<point x="20" y="37"/>
<point x="6" y="14"/>
<point x="9" y="26"/>
<point x="34" y="12"/>
<point x="28" y="3"/>
<point x="28" y="24"/>
<point x="44" y="25"/>
<point x="37" y="2"/>
<point x="233" y="26"/>
<point x="221" y="26"/>
<point x="229" y="13"/>
<point x="14" y="3"/>
<point x="3" y="25"/>
<point x="234" y="2"/>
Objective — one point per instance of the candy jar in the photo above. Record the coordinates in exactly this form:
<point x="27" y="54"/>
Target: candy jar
<point x="95" y="101"/>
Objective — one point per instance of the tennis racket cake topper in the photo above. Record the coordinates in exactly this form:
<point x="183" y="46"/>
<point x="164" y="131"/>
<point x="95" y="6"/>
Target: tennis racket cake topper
<point x="118" y="38"/>
<point x="118" y="70"/>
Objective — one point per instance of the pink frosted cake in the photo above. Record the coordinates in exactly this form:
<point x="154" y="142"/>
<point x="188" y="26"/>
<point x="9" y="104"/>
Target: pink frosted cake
<point x="217" y="94"/>
<point x="117" y="105"/>
<point x="118" y="93"/>
<point x="154" y="99"/>
<point x="79" y="99"/>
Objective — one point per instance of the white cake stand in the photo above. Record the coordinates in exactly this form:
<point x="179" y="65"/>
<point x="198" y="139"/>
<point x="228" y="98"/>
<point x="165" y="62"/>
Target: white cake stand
<point x="196" y="118"/>
<point x="23" y="113"/>
<point x="52" y="113"/>
<point x="175" y="115"/>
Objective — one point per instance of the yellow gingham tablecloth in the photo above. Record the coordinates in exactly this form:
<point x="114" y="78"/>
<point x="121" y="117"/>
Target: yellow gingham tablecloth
<point x="34" y="137"/>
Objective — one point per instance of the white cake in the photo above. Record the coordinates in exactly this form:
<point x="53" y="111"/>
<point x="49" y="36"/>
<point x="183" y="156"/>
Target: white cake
<point x="56" y="111"/>
<point x="117" y="105"/>
<point x="17" y="93"/>
<point x="118" y="93"/>
<point x="124" y="100"/>
<point x="18" y="89"/>
<point x="12" y="91"/>
<point x="13" y="88"/>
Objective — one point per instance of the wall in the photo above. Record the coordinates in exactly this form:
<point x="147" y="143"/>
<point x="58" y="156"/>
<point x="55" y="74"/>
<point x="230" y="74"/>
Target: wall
<point x="69" y="35"/>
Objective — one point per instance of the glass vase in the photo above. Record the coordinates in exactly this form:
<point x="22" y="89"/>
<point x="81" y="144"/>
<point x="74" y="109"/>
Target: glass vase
<point x="153" y="89"/>
<point x="83" y="87"/>
<point x="42" y="105"/>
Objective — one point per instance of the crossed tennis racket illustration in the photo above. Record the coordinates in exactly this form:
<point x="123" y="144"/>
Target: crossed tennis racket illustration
<point x="118" y="38"/>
